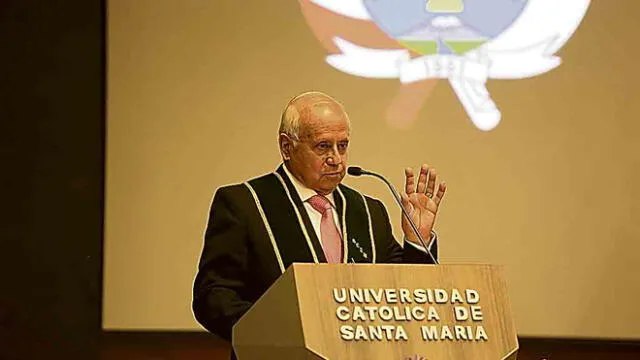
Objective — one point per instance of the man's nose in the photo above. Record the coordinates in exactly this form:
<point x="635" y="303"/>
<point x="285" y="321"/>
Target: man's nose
<point x="334" y="157"/>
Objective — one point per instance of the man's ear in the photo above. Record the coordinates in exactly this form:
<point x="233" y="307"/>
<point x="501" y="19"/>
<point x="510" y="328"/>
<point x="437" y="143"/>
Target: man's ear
<point x="286" y="146"/>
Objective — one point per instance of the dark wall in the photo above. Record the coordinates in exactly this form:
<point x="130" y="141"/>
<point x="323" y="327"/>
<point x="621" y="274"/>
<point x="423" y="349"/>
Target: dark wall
<point x="51" y="171"/>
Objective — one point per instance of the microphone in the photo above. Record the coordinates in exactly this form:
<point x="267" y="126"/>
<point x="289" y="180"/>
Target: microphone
<point x="358" y="171"/>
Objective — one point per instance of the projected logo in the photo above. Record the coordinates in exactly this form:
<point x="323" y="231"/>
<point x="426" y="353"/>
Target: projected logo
<point x="466" y="42"/>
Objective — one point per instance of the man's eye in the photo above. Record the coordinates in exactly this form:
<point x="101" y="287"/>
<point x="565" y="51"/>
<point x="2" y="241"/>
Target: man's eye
<point x="343" y="146"/>
<point x="324" y="146"/>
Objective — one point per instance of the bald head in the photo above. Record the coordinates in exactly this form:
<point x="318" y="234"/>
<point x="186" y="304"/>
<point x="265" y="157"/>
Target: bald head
<point x="314" y="135"/>
<point x="309" y="107"/>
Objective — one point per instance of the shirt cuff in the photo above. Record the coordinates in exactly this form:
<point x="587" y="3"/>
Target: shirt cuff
<point x="432" y="240"/>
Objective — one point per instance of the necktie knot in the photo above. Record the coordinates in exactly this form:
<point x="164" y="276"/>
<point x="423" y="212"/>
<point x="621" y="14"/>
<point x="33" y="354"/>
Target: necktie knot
<point x="320" y="203"/>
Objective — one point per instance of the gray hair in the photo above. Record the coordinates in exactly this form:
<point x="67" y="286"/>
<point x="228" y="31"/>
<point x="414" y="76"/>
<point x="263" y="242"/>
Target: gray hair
<point x="290" y="122"/>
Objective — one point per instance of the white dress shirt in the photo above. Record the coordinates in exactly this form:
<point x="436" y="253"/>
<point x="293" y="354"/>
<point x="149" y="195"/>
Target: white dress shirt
<point x="305" y="194"/>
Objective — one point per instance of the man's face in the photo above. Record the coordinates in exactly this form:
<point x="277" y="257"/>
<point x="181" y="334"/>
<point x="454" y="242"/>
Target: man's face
<point x="319" y="158"/>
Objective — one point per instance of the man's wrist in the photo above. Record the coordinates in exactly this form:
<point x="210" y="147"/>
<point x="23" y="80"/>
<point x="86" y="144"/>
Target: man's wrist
<point x="429" y="243"/>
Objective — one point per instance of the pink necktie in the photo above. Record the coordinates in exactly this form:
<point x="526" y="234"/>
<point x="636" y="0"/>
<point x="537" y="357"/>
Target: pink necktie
<point x="331" y="238"/>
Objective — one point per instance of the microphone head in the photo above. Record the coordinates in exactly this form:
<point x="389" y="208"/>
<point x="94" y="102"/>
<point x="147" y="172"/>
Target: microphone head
<point x="354" y="170"/>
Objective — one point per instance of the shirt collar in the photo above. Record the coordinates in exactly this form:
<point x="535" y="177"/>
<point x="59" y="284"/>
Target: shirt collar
<point x="304" y="192"/>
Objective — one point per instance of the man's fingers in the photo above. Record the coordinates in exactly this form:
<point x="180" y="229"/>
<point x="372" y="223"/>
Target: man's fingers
<point x="441" y="190"/>
<point x="432" y="183"/>
<point x="409" y="183"/>
<point x="422" y="180"/>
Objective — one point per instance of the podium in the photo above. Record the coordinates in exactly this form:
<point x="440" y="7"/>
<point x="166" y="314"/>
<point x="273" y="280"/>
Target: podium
<point x="380" y="311"/>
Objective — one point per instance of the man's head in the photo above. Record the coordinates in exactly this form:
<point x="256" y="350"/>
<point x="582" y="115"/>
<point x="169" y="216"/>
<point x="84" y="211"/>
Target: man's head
<point x="314" y="136"/>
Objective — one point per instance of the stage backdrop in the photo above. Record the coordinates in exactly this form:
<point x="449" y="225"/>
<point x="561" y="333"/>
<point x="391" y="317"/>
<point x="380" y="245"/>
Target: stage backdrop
<point x="195" y="91"/>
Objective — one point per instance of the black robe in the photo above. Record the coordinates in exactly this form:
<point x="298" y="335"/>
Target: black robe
<point x="258" y="228"/>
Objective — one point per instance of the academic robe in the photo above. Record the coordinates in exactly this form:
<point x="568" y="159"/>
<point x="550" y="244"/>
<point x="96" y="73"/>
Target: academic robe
<point x="258" y="228"/>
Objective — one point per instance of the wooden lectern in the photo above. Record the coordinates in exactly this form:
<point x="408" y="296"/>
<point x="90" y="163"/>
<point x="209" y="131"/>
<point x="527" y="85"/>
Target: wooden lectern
<point x="381" y="311"/>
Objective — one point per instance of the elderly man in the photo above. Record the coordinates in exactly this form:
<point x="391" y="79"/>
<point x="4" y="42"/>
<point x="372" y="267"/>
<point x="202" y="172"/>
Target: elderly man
<point x="302" y="213"/>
